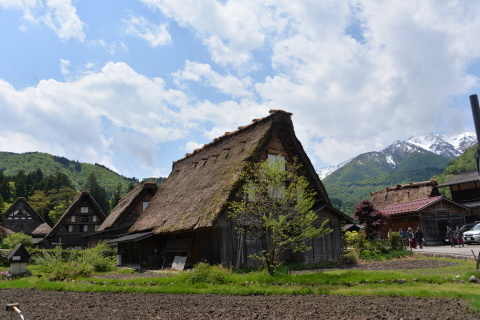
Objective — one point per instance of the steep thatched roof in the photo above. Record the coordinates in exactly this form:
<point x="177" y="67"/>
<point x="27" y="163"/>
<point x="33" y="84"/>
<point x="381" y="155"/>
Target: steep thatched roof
<point x="81" y="196"/>
<point x="22" y="203"/>
<point x="127" y="204"/>
<point x="404" y="193"/>
<point x="201" y="184"/>
<point x="41" y="231"/>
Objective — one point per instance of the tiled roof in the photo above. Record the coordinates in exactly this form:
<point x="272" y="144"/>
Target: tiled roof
<point x="410" y="206"/>
<point x="461" y="178"/>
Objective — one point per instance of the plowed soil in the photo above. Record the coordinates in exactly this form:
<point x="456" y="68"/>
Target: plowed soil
<point x="109" y="306"/>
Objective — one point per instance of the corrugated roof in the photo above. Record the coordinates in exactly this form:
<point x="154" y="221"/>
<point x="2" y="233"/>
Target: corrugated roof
<point x="410" y="206"/>
<point x="460" y="178"/>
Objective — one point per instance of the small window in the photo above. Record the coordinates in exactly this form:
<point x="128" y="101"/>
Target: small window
<point x="272" y="158"/>
<point x="84" y="219"/>
<point x="96" y="227"/>
<point x="94" y="218"/>
<point x="68" y="228"/>
<point x="84" y="209"/>
<point x="72" y="219"/>
<point x="145" y="205"/>
<point x="83" y="228"/>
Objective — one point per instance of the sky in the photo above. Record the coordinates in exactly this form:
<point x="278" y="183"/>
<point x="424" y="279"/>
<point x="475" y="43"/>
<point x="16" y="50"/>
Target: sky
<point x="134" y="85"/>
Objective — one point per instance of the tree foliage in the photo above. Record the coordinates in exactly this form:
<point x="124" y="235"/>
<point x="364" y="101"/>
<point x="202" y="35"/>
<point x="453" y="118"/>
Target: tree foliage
<point x="275" y="207"/>
<point x="366" y="214"/>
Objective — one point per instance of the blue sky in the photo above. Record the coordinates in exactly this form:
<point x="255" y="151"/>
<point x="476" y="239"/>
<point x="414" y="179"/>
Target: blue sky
<point x="134" y="85"/>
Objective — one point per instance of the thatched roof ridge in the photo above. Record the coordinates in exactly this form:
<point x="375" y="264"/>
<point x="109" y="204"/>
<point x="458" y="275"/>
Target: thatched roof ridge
<point x="22" y="200"/>
<point x="42" y="230"/>
<point x="75" y="202"/>
<point x="404" y="193"/>
<point x="229" y="134"/>
<point x="200" y="185"/>
<point x="126" y="204"/>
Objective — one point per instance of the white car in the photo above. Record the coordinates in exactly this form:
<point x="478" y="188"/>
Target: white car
<point x="472" y="235"/>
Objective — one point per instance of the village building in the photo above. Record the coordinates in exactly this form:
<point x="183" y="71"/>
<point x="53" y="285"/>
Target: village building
<point x="465" y="189"/>
<point x="124" y="215"/>
<point x="21" y="217"/>
<point x="419" y="205"/>
<point x="82" y="216"/>
<point x="188" y="215"/>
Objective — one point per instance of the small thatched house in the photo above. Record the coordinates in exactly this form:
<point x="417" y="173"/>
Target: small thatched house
<point x="188" y="215"/>
<point x="404" y="193"/>
<point x="82" y="216"/>
<point x="124" y="215"/>
<point x="21" y="217"/>
<point x="465" y="189"/>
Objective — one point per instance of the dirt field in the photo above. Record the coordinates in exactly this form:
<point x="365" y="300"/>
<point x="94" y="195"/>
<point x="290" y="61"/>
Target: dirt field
<point x="108" y="306"/>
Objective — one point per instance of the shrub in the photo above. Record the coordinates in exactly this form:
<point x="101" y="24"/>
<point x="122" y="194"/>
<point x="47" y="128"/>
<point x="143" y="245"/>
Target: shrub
<point x="396" y="241"/>
<point x="4" y="257"/>
<point x="69" y="270"/>
<point x="102" y="258"/>
<point x="205" y="273"/>
<point x="17" y="238"/>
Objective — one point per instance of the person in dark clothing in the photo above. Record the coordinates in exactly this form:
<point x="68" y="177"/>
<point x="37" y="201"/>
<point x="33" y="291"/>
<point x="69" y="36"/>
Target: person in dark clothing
<point x="419" y="236"/>
<point x="451" y="236"/>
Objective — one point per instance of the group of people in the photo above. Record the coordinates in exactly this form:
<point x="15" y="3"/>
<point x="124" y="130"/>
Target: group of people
<point x="413" y="238"/>
<point x="455" y="237"/>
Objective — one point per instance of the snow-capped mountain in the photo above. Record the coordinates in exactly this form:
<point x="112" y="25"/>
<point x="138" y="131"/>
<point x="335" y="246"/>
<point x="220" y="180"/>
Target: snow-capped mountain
<point x="323" y="172"/>
<point x="447" y="145"/>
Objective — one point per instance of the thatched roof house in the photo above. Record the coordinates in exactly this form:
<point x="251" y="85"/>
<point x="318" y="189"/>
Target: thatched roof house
<point x="465" y="189"/>
<point x="188" y="215"/>
<point x="404" y="193"/>
<point x="21" y="217"/>
<point x="83" y="215"/>
<point x="124" y="215"/>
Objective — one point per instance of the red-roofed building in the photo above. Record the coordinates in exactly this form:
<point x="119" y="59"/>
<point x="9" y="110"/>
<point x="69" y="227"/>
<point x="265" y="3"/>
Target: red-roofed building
<point x="431" y="214"/>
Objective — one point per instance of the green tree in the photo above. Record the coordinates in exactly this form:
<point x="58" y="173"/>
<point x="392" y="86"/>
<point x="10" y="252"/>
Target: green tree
<point x="117" y="195"/>
<point x="98" y="193"/>
<point x="5" y="190"/>
<point x="41" y="203"/>
<point x="275" y="207"/>
<point x="20" y="184"/>
<point x="59" y="199"/>
<point x="366" y="214"/>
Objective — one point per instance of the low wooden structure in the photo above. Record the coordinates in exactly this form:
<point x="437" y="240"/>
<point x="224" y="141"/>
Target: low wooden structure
<point x="18" y="259"/>
<point x="465" y="189"/>
<point x="188" y="216"/>
<point x="82" y="216"/>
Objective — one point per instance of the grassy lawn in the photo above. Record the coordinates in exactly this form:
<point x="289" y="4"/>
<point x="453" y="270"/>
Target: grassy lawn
<point x="446" y="282"/>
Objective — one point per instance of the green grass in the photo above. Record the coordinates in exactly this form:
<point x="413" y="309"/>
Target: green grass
<point x="445" y="282"/>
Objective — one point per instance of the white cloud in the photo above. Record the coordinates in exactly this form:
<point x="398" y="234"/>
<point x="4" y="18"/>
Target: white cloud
<point x="228" y="84"/>
<point x="155" y="35"/>
<point x="231" y="30"/>
<point x="58" y="15"/>
<point x="64" y="64"/>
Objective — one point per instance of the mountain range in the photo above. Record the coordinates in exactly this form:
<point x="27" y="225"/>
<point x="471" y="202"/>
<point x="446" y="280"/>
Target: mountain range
<point x="417" y="159"/>
<point x="448" y="145"/>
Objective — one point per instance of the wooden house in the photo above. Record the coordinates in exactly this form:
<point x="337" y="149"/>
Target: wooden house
<point x="124" y="215"/>
<point x="21" y="217"/>
<point x="82" y="216"/>
<point x="465" y="189"/>
<point x="188" y="214"/>
<point x="432" y="215"/>
<point x="419" y="205"/>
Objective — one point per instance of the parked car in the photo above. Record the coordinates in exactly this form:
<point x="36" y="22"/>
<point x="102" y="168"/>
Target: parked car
<point x="473" y="235"/>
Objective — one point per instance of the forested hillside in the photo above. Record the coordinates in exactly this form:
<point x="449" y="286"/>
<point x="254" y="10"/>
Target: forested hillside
<point x="49" y="182"/>
<point x="371" y="172"/>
